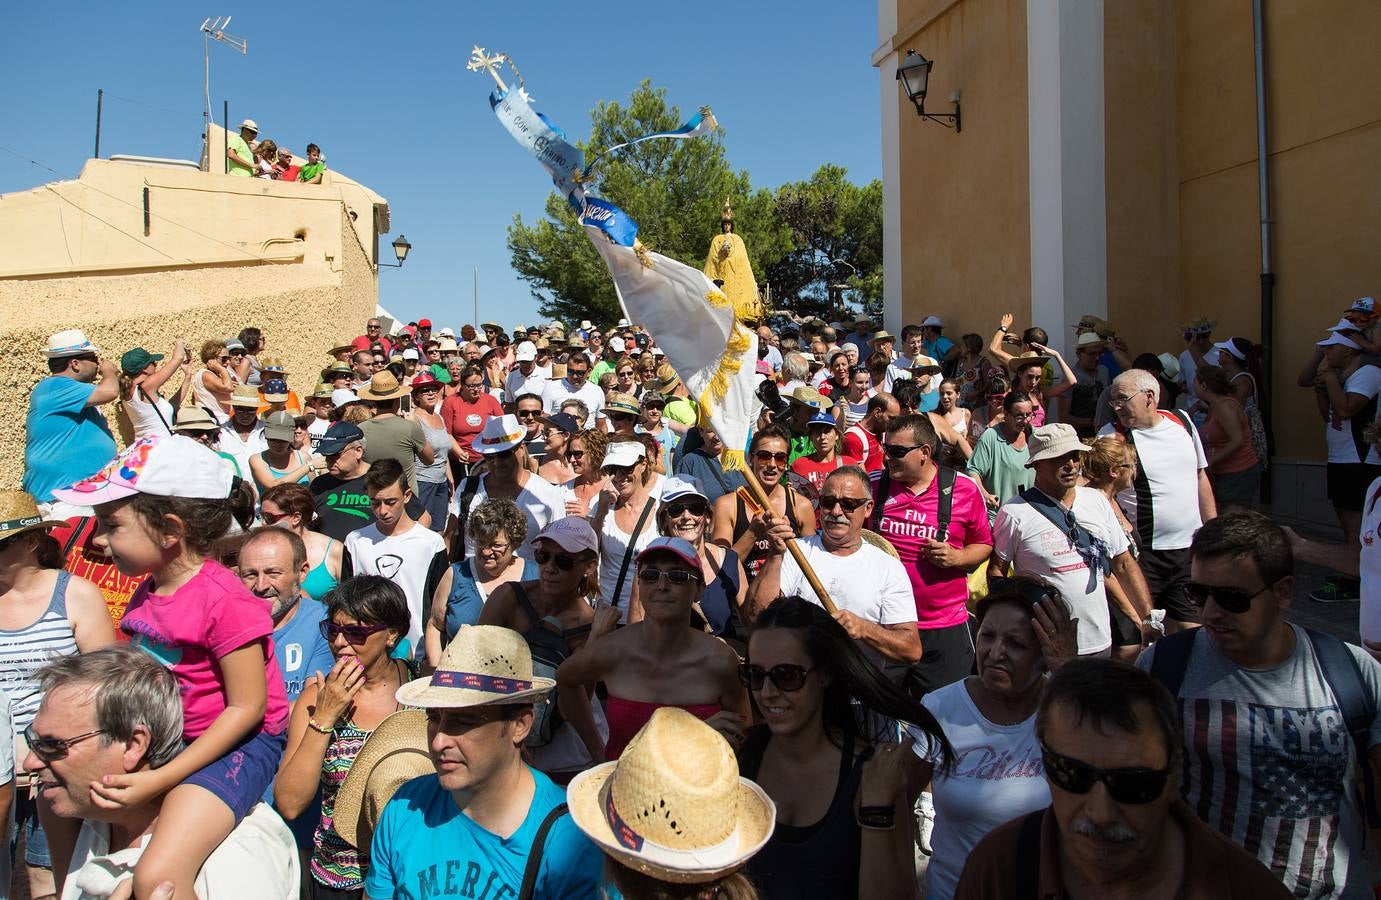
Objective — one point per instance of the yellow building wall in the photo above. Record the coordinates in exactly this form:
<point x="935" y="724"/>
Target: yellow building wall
<point x="964" y="199"/>
<point x="305" y="278"/>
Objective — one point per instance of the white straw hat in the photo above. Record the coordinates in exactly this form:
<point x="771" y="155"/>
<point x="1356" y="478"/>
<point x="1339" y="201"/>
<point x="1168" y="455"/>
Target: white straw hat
<point x="484" y="665"/>
<point x="673" y="805"/>
<point x="72" y="342"/>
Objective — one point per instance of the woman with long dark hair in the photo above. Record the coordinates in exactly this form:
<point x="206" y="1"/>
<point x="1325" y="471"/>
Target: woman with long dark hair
<point x="810" y="683"/>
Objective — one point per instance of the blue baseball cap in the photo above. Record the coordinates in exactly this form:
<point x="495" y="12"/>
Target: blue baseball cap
<point x="338" y="437"/>
<point x="822" y="419"/>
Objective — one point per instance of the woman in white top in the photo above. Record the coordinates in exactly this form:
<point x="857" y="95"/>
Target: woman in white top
<point x="1024" y="631"/>
<point x="625" y="518"/>
<point x="956" y="415"/>
<point x="857" y="396"/>
<point x="213" y="385"/>
<point x="141" y="380"/>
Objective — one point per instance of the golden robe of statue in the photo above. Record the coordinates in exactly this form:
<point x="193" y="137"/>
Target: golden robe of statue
<point x="728" y="262"/>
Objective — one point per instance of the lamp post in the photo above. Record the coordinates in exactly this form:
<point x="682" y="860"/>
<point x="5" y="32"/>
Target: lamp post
<point x="401" y="248"/>
<point x="914" y="74"/>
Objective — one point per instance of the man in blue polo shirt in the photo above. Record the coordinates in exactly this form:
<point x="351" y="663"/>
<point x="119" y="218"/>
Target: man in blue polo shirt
<point x="67" y="437"/>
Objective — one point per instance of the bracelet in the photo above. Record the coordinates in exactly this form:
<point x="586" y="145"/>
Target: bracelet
<point x="877" y="818"/>
<point x="312" y="724"/>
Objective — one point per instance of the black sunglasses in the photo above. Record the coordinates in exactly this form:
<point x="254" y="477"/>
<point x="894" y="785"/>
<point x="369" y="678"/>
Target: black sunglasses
<point x="764" y="456"/>
<point x="850" y="504"/>
<point x="897" y="451"/>
<point x="575" y="454"/>
<point x="1233" y="600"/>
<point x="1132" y="785"/>
<point x="695" y="507"/>
<point x="619" y="471"/>
<point x="786" y="676"/>
<point x="675" y="576"/>
<point x="49" y="749"/>
<point x="355" y="635"/>
<point x="563" y="561"/>
<point x="528" y="413"/>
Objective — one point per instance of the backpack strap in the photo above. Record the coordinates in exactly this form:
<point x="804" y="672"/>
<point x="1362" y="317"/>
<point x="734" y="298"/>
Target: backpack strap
<point x="534" y="854"/>
<point x="1028" y="861"/>
<point x="945" y="504"/>
<point x="628" y="551"/>
<point x="526" y="603"/>
<point x="467" y="496"/>
<point x="1172" y="658"/>
<point x="1339" y="669"/>
<point x="884" y="484"/>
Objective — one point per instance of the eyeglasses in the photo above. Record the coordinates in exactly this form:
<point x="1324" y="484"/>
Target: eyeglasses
<point x="674" y="576"/>
<point x="623" y="417"/>
<point x="473" y="385"/>
<point x="225" y="359"/>
<point x="1130" y="785"/>
<point x="1118" y="401"/>
<point x="698" y="508"/>
<point x="528" y="413"/>
<point x="898" y="451"/>
<point x="786" y="676"/>
<point x="577" y="373"/>
<point x="850" y="504"/>
<point x="355" y="635"/>
<point x="1230" y="599"/>
<point x="766" y="456"/>
<point x="49" y="749"/>
<point x="563" y="561"/>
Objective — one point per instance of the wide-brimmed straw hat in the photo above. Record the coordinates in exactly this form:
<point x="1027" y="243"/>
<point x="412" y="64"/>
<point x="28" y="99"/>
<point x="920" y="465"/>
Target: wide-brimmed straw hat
<point x="19" y="513"/>
<point x="484" y="665"/>
<point x="383" y="386"/>
<point x="673" y="805"/>
<point x="72" y="342"/>
<point x="1030" y="357"/>
<point x="341" y="346"/>
<point x="245" y="396"/>
<point x="393" y="754"/>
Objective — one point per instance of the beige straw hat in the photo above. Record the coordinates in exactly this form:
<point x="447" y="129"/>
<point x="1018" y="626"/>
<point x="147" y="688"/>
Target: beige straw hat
<point x="484" y="665"/>
<point x="673" y="805"/>
<point x="393" y="754"/>
<point x="19" y="513"/>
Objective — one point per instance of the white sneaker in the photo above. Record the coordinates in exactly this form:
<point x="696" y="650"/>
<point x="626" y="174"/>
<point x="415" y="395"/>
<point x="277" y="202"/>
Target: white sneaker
<point x="925" y="821"/>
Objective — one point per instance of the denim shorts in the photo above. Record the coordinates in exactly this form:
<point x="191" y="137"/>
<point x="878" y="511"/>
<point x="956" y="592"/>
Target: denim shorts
<point x="240" y="777"/>
<point x="35" y="841"/>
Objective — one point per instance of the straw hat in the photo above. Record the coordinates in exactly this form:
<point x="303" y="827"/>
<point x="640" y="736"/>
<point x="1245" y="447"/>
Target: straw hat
<point x="673" y="806"/>
<point x="342" y="346"/>
<point x="393" y="754"/>
<point x="1030" y="357"/>
<point x="483" y="665"/>
<point x="245" y="396"/>
<point x="72" y="342"/>
<point x="19" y="513"/>
<point x="383" y="386"/>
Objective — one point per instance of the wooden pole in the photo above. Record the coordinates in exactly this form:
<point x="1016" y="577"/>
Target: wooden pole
<point x="792" y="547"/>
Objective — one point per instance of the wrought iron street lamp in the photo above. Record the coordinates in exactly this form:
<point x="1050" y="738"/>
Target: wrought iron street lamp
<point x="401" y="247"/>
<point x="914" y="74"/>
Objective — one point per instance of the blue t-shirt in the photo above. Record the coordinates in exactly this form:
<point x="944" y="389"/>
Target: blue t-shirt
<point x="938" y="348"/>
<point x="300" y="648"/>
<point x="67" y="440"/>
<point x="425" y="847"/>
<point x="929" y="402"/>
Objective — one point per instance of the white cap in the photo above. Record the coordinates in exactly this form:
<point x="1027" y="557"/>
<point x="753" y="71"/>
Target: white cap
<point x="410" y="353"/>
<point x="616" y="344"/>
<point x="1338" y="340"/>
<point x="623" y="323"/>
<point x="1230" y="349"/>
<point x="526" y="352"/>
<point x="624" y="453"/>
<point x="342" y="396"/>
<point x="932" y="322"/>
<point x="1344" y="325"/>
<point x="161" y="466"/>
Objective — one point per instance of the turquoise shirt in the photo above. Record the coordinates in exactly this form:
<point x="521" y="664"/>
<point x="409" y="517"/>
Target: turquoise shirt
<point x="67" y="440"/>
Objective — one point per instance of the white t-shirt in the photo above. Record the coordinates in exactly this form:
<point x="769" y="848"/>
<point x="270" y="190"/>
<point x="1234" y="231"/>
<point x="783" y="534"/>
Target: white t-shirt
<point x="541" y="502"/>
<point x="997" y="776"/>
<point x="555" y="392"/>
<point x="1338" y="432"/>
<point x="868" y="582"/>
<point x="143" y="418"/>
<point x="613" y="546"/>
<point x="414" y="560"/>
<point x="900" y="370"/>
<point x="1168" y="462"/>
<point x="1024" y="537"/>
<point x="231" y="442"/>
<point x="1371" y="563"/>
<point x="258" y="859"/>
<point x="518" y="383"/>
<point x="316" y="430"/>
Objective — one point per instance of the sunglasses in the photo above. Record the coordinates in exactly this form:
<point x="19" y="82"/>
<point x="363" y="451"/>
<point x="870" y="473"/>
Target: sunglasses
<point x="575" y="454"/>
<point x="674" y="576"/>
<point x="786" y="676"/>
<point x="1232" y="600"/>
<point x="49" y="749"/>
<point x="850" y="504"/>
<point x="626" y="374"/>
<point x="619" y="471"/>
<point x="1133" y="786"/>
<point x="355" y="635"/>
<point x="698" y="508"/>
<point x="528" y="413"/>
<point x="898" y="451"/>
<point x="565" y="562"/>
<point x="765" y="456"/>
<point x="272" y="518"/>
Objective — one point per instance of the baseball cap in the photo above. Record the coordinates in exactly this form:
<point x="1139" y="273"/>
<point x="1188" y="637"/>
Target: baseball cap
<point x="1363" y="304"/>
<point x="572" y="534"/>
<point x="341" y="396"/>
<point x="822" y="419"/>
<point x="169" y="465"/>
<point x="234" y="344"/>
<point x="132" y="362"/>
<point x="526" y="352"/>
<point x="278" y="426"/>
<point x="623" y="453"/>
<point x="678" y="547"/>
<point x="338" y="437"/>
<point x="562" y="421"/>
<point x="424" y="323"/>
<point x="616" y="344"/>
<point x="678" y="486"/>
<point x="410" y="353"/>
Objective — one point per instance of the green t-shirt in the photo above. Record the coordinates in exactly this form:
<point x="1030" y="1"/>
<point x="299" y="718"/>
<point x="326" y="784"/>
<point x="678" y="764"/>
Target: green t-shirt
<point x="311" y="170"/>
<point x="680" y="410"/>
<point x="1001" y="466"/>
<point x="237" y="143"/>
<point x="598" y="371"/>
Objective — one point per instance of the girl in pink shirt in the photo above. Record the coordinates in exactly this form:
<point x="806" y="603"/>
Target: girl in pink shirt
<point x="160" y="505"/>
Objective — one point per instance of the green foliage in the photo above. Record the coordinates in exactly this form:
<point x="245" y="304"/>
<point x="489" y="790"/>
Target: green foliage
<point x="675" y="191"/>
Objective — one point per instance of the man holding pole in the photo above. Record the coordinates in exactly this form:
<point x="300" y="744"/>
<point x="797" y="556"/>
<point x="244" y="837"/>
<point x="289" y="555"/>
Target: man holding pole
<point x="938" y="523"/>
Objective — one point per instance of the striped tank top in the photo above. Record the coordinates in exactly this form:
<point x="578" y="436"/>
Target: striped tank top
<point x="24" y="652"/>
<point x="336" y="864"/>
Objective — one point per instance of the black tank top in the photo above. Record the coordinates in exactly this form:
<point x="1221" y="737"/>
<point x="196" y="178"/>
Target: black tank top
<point x="803" y="862"/>
<point x="753" y="561"/>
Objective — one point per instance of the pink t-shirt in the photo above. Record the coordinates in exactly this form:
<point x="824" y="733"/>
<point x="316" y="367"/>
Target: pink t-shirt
<point x="191" y="629"/>
<point x="908" y="521"/>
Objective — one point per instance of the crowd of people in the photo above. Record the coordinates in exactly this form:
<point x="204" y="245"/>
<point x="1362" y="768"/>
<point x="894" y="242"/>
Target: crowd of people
<point x="495" y="613"/>
<point x="249" y="156"/>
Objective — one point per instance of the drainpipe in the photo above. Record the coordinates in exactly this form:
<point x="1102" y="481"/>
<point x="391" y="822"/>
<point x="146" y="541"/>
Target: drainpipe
<point x="1263" y="178"/>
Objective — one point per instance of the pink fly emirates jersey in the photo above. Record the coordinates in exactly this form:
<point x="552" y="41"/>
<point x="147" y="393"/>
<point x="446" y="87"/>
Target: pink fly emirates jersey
<point x="909" y="522"/>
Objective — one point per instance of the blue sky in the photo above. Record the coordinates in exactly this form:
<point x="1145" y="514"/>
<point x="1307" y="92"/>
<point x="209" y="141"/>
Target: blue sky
<point x="383" y="89"/>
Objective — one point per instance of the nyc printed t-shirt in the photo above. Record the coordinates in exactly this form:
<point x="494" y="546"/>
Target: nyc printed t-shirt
<point x="191" y="629"/>
<point x="909" y="521"/>
<point x="425" y="847"/>
<point x="1269" y="763"/>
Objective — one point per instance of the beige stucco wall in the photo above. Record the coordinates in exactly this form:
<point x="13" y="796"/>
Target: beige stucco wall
<point x="304" y="292"/>
<point x="964" y="199"/>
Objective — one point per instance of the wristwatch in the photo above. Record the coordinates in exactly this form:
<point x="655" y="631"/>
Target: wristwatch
<point x="878" y="818"/>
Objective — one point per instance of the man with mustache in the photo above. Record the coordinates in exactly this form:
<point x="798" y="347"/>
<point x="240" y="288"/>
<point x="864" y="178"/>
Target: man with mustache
<point x="867" y="585"/>
<point x="1115" y="827"/>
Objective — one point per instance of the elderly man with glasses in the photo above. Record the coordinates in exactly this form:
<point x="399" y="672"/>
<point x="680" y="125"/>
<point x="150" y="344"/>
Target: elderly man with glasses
<point x="114" y="712"/>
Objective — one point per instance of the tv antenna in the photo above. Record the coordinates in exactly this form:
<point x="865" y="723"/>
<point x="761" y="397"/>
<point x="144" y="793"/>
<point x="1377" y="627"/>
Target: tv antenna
<point x="214" y="29"/>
